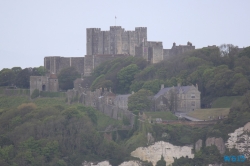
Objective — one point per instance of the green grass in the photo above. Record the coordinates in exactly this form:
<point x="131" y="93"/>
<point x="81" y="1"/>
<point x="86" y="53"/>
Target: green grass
<point x="104" y="121"/>
<point x="12" y="101"/>
<point x="160" y="114"/>
<point x="44" y="102"/>
<point x="203" y="114"/>
<point x="225" y="101"/>
<point x="2" y="90"/>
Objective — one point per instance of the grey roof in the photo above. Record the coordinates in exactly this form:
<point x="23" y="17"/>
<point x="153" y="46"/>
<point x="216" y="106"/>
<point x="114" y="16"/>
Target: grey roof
<point x="185" y="89"/>
<point x="121" y="97"/>
<point x="162" y="92"/>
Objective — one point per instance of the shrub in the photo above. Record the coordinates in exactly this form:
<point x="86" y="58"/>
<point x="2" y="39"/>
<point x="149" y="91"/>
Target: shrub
<point x="35" y="94"/>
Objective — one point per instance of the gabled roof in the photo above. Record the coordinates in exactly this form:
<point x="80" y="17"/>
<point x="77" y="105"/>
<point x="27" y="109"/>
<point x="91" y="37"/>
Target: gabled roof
<point x="184" y="89"/>
<point x="162" y="92"/>
<point x="121" y="97"/>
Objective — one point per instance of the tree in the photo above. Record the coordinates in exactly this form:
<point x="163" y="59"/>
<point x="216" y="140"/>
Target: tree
<point x="161" y="162"/>
<point x="66" y="78"/>
<point x="23" y="78"/>
<point x="16" y="70"/>
<point x="153" y="86"/>
<point x="140" y="101"/>
<point x="38" y="71"/>
<point x="172" y="101"/>
<point x="126" y="76"/>
<point x="7" y="77"/>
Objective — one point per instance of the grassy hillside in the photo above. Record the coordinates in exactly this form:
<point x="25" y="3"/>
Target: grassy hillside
<point x="214" y="113"/>
<point x="225" y="101"/>
<point x="12" y="101"/>
<point x="160" y="114"/>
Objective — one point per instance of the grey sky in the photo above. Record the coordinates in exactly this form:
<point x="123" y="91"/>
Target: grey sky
<point x="33" y="29"/>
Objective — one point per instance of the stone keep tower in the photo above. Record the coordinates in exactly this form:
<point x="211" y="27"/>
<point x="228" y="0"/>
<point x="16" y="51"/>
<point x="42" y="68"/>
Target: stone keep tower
<point x="114" y="41"/>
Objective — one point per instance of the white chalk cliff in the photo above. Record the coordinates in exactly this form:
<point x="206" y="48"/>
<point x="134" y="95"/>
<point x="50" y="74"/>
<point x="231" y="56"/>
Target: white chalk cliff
<point x="240" y="140"/>
<point x="153" y="153"/>
<point x="106" y="163"/>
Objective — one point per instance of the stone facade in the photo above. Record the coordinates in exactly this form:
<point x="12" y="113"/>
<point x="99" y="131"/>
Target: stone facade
<point x="114" y="106"/>
<point x="44" y="83"/>
<point x="119" y="41"/>
<point x="54" y="64"/>
<point x="114" y="41"/>
<point x="179" y="99"/>
<point x="92" y="61"/>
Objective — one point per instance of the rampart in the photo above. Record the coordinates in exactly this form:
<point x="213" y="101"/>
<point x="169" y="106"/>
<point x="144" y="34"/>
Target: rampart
<point x="54" y="64"/>
<point x="177" y="50"/>
<point x="98" y="100"/>
<point x="102" y="46"/>
<point x="114" y="41"/>
<point x="93" y="61"/>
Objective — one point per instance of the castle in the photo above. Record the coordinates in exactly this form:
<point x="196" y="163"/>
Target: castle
<point x="102" y="46"/>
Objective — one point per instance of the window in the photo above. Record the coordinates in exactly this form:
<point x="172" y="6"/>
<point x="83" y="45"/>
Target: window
<point x="192" y="95"/>
<point x="193" y="103"/>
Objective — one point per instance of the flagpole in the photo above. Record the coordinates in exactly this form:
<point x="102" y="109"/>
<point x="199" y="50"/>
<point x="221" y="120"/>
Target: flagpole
<point x="115" y="20"/>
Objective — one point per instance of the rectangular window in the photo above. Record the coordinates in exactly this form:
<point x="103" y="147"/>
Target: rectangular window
<point x="193" y="103"/>
<point x="192" y="96"/>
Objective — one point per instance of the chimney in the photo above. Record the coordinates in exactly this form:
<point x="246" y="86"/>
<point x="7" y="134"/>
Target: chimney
<point x="162" y="86"/>
<point x="133" y="92"/>
<point x="178" y="84"/>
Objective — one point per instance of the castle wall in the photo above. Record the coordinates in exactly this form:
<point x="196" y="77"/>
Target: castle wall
<point x="88" y="64"/>
<point x="53" y="85"/>
<point x="56" y="64"/>
<point x="131" y="42"/>
<point x="52" y="63"/>
<point x="38" y="82"/>
<point x="106" y="42"/>
<point x="114" y="41"/>
<point x="47" y="63"/>
<point x="141" y="35"/>
<point x="125" y="42"/>
<point x="78" y="64"/>
<point x="156" y="51"/>
<point x="64" y="63"/>
<point x="177" y="50"/>
<point x="89" y="41"/>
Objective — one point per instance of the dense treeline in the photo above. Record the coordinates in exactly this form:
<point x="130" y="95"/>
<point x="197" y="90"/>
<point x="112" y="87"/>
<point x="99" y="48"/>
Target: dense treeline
<point x="223" y="71"/>
<point x="53" y="135"/>
<point x="19" y="77"/>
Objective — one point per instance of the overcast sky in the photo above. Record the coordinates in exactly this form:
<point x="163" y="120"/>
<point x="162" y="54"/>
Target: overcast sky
<point x="33" y="29"/>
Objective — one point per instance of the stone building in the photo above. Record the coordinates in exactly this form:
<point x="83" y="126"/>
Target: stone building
<point x="102" y="46"/>
<point x="92" y="61"/>
<point x="44" y="83"/>
<point x="134" y="43"/>
<point x="121" y="101"/>
<point x="54" y="64"/>
<point x="178" y="99"/>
